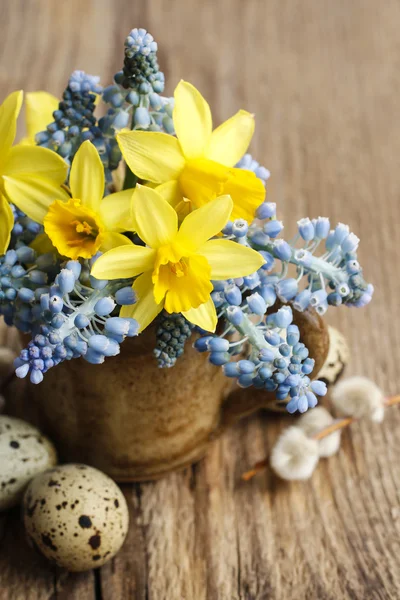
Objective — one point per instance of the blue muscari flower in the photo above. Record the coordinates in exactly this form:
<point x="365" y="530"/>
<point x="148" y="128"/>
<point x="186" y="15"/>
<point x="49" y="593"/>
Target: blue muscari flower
<point x="273" y="228"/>
<point x="171" y="336"/>
<point x="282" y="250"/>
<point x="322" y="227"/>
<point x="232" y="294"/>
<point x="306" y="229"/>
<point x="239" y="228"/>
<point x="256" y="304"/>
<point x="286" y="289"/>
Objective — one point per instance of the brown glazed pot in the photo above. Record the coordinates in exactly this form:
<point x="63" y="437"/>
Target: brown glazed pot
<point x="135" y="421"/>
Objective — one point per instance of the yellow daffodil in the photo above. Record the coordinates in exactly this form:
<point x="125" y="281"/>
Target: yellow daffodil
<point x="28" y="174"/>
<point x="87" y="222"/>
<point x="39" y="108"/>
<point x="176" y="267"/>
<point x="199" y="161"/>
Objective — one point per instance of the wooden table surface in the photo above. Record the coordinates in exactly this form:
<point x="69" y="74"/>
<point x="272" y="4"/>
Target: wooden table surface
<point x="323" y="78"/>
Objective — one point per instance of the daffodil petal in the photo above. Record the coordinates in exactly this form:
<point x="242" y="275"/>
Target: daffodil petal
<point x="230" y="140"/>
<point x="6" y="224"/>
<point x="146" y="308"/>
<point x="171" y="192"/>
<point x="247" y="193"/>
<point x="115" y="211"/>
<point x="155" y="220"/>
<point x="229" y="259"/>
<point x="43" y="244"/>
<point x="33" y="195"/>
<point x="9" y="112"/>
<point x="192" y="120"/>
<point x="151" y="156"/>
<point x="39" y="108"/>
<point x="204" y="316"/>
<point x="27" y="161"/>
<point x="124" y="262"/>
<point x="86" y="178"/>
<point x="190" y="289"/>
<point x="204" y="223"/>
<point x="111" y="239"/>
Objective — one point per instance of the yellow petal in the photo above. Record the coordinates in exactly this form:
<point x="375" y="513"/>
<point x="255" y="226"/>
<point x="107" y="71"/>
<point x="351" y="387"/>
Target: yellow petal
<point x="6" y="224"/>
<point x="192" y="120"/>
<point x="151" y="156"/>
<point x="184" y="285"/>
<point x="33" y="195"/>
<point x="43" y="244"/>
<point x="111" y="239"/>
<point x="229" y="259"/>
<point x="230" y="140"/>
<point x="146" y="308"/>
<point x="86" y="179"/>
<point x="9" y="112"/>
<point x="115" y="211"/>
<point x="39" y="108"/>
<point x="124" y="262"/>
<point x="247" y="193"/>
<point x="204" y="316"/>
<point x="202" y="180"/>
<point x="204" y="223"/>
<point x="27" y="161"/>
<point x="155" y="220"/>
<point x="171" y="192"/>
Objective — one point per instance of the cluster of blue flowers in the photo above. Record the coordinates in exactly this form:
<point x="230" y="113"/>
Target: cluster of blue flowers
<point x="134" y="98"/>
<point x="74" y="318"/>
<point x="70" y="314"/>
<point x="172" y="334"/>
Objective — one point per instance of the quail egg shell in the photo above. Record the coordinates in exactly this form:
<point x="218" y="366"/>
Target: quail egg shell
<point x="76" y="516"/>
<point x="24" y="453"/>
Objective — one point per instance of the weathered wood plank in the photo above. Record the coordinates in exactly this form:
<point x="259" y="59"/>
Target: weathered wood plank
<point x="323" y="80"/>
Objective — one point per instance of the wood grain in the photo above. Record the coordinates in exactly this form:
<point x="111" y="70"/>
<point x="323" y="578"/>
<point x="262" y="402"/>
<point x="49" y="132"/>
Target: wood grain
<point x="323" y="79"/>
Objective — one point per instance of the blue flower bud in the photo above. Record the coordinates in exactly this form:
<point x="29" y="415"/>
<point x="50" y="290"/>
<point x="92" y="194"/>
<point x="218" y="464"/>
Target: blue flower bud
<point x="341" y="232"/>
<point x="74" y="266"/>
<point x="104" y="306"/>
<point x="45" y="302"/>
<point x="245" y="381"/>
<point x="318" y="297"/>
<point x="285" y="350"/>
<point x="246" y="367"/>
<point x="257" y="304"/>
<point x="266" y="210"/>
<point x="259" y="238"/>
<point x="240" y="228"/>
<point x="117" y="326"/>
<point x="343" y="289"/>
<point x="269" y="259"/>
<point x="268" y="294"/>
<point x="218" y="298"/>
<point x="97" y="284"/>
<point x="142" y="117"/>
<point x="94" y="357"/>
<point x="311" y="400"/>
<point x="56" y="304"/>
<point x="17" y="271"/>
<point x="26" y="295"/>
<point x="216" y="344"/>
<point x="273" y="228"/>
<point x="286" y="289"/>
<point x="353" y="267"/>
<point x="234" y="315"/>
<point x="318" y="387"/>
<point x="233" y="294"/>
<point x="201" y="344"/>
<point x="11" y="294"/>
<point x="121" y="119"/>
<point x="302" y="300"/>
<point x="283" y="317"/>
<point x="133" y="98"/>
<point x="282" y="392"/>
<point x="66" y="281"/>
<point x="270" y="385"/>
<point x="303" y="257"/>
<point x="266" y="355"/>
<point x="282" y="250"/>
<point x="227" y="230"/>
<point x="322" y="308"/>
<point x="322" y="227"/>
<point x="265" y="373"/>
<point x="36" y="376"/>
<point x="22" y="371"/>
<point x="10" y="257"/>
<point x="99" y="343"/>
<point x="306" y="229"/>
<point x="57" y="321"/>
<point x="231" y="369"/>
<point x="350" y="243"/>
<point x="219" y="358"/>
<point x="112" y="349"/>
<point x="252" y="281"/>
<point x="330" y="241"/>
<point x="272" y="338"/>
<point x="125" y="296"/>
<point x="81" y="321"/>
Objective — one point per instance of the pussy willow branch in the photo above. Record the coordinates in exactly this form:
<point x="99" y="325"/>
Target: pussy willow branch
<point x="335" y="426"/>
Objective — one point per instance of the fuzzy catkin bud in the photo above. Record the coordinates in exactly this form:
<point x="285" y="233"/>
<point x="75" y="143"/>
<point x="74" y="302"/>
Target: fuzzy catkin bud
<point x="294" y="456"/>
<point x="314" y="421"/>
<point x="359" y="397"/>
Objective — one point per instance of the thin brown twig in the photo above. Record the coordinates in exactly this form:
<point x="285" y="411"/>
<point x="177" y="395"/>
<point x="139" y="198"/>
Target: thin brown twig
<point x="336" y="426"/>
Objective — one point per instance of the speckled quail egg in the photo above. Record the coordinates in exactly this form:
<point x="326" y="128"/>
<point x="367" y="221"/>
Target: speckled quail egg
<point x="76" y="516"/>
<point x="24" y="453"/>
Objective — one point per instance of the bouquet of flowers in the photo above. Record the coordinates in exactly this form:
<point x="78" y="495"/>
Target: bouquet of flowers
<point x="147" y="212"/>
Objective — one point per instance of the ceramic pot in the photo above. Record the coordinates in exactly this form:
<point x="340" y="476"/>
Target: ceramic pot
<point x="135" y="421"/>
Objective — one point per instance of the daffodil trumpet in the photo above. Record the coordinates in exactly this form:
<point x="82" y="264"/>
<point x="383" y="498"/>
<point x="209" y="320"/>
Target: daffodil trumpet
<point x="199" y="162"/>
<point x="175" y="268"/>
